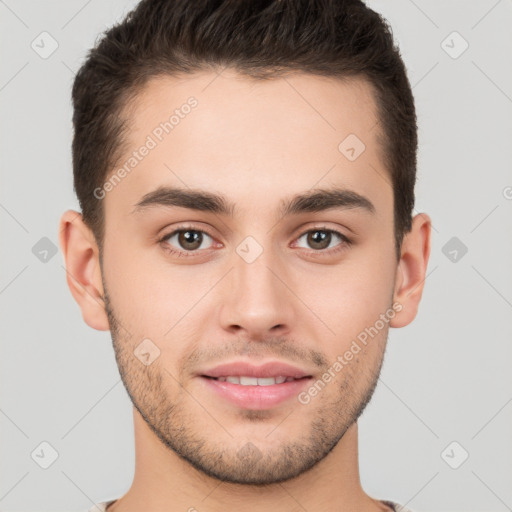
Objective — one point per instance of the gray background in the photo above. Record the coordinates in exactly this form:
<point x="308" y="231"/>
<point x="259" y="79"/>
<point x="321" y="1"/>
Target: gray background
<point x="446" y="376"/>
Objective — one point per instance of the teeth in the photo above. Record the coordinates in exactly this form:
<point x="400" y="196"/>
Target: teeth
<point x="249" y="381"/>
<point x="255" y="381"/>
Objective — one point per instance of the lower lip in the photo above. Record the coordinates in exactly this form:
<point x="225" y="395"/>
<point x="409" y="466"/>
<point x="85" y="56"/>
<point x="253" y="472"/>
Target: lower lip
<point x="256" y="397"/>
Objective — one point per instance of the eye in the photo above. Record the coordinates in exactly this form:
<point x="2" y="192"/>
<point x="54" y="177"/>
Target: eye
<point x="321" y="238"/>
<point x="187" y="240"/>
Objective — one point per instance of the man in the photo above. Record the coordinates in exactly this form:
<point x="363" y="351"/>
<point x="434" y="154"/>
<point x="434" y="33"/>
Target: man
<point x="246" y="176"/>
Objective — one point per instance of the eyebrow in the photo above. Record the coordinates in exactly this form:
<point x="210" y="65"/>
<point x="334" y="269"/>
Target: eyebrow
<point x="315" y="200"/>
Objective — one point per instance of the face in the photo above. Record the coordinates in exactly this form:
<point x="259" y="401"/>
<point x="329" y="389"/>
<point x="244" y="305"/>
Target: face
<point x="190" y="285"/>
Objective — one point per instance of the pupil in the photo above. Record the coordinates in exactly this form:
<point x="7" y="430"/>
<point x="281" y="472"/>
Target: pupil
<point x="321" y="238"/>
<point x="190" y="237"/>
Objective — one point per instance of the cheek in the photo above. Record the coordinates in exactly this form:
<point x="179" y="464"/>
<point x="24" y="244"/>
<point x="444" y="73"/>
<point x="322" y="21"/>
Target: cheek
<point x="135" y="288"/>
<point x="350" y="298"/>
<point x="152" y="295"/>
<point x="149" y="295"/>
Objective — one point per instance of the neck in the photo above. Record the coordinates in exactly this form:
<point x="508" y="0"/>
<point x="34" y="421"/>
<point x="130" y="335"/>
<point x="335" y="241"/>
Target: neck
<point x="164" y="481"/>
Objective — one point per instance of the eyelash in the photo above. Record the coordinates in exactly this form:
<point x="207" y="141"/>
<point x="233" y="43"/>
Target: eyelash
<point x="345" y="242"/>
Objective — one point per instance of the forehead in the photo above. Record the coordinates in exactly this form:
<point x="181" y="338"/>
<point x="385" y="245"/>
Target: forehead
<point x="254" y="141"/>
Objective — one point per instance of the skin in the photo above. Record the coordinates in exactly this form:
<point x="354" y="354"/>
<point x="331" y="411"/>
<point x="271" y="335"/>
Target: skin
<point x="256" y="143"/>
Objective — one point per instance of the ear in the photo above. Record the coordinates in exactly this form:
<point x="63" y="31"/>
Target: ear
<point x="83" y="272"/>
<point x="411" y="270"/>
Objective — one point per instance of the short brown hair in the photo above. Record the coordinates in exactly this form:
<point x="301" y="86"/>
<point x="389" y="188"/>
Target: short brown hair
<point x="261" y="39"/>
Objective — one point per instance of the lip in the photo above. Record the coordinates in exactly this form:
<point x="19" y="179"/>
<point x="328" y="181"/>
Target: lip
<point x="244" y="368"/>
<point x="255" y="397"/>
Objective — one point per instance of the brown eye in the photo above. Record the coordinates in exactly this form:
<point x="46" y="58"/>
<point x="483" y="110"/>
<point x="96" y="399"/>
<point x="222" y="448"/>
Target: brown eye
<point x="320" y="239"/>
<point x="187" y="239"/>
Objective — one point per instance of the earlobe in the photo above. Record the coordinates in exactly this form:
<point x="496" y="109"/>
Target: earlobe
<point x="411" y="270"/>
<point x="83" y="272"/>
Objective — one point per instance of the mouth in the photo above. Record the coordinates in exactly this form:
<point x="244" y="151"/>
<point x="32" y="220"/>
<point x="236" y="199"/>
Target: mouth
<point x="249" y="386"/>
<point x="255" y="381"/>
<point x="246" y="392"/>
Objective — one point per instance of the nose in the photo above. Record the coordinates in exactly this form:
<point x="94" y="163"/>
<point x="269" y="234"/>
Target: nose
<point x="258" y="300"/>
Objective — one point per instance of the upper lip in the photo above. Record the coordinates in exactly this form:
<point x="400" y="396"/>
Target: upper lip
<point x="242" y="368"/>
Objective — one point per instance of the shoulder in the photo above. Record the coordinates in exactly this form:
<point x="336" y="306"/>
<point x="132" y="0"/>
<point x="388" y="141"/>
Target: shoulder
<point x="100" y="507"/>
<point x="396" y="506"/>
